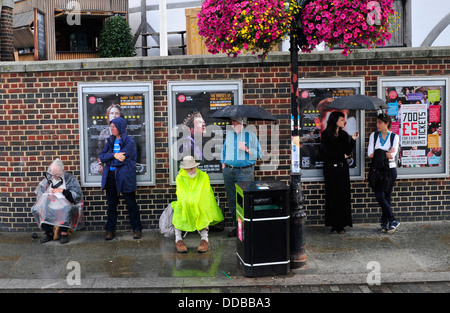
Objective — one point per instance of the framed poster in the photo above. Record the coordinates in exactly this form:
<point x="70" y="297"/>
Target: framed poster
<point x="315" y="95"/>
<point x="192" y="130"/>
<point x="419" y="115"/>
<point x="99" y="103"/>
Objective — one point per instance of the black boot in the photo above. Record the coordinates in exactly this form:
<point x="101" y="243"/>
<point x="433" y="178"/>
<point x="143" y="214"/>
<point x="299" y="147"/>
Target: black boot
<point x="47" y="237"/>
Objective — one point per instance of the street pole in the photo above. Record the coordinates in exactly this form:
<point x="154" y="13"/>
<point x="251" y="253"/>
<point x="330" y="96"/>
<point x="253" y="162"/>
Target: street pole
<point x="298" y="215"/>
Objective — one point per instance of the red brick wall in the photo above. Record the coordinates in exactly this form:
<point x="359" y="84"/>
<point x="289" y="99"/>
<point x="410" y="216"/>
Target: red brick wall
<point x="6" y="34"/>
<point x="39" y="121"/>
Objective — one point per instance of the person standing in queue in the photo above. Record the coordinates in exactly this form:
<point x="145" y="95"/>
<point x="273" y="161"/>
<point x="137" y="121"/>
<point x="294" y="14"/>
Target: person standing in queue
<point x="240" y="151"/>
<point x="335" y="147"/>
<point x="388" y="142"/>
<point x="119" y="176"/>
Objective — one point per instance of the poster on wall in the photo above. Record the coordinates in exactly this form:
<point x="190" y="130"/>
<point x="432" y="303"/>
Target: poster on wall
<point x="417" y="110"/>
<point x="192" y="130"/>
<point x="315" y="96"/>
<point x="101" y="103"/>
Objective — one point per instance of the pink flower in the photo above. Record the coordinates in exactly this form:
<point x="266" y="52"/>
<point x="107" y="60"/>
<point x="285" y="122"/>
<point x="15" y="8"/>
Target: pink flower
<point x="344" y="23"/>
<point x="233" y="25"/>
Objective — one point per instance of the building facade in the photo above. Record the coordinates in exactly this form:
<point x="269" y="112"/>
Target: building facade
<point x="40" y="120"/>
<point x="61" y="29"/>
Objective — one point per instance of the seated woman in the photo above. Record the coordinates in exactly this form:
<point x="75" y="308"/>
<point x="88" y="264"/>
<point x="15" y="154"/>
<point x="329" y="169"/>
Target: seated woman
<point x="59" y="203"/>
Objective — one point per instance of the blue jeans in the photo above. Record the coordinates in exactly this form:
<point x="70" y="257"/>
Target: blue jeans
<point x="231" y="177"/>
<point x="385" y="198"/>
<point x="112" y="198"/>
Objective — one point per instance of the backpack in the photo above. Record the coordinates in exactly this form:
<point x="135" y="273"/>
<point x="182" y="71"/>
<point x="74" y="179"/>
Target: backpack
<point x="379" y="172"/>
<point x="391" y="137"/>
<point x="166" y="227"/>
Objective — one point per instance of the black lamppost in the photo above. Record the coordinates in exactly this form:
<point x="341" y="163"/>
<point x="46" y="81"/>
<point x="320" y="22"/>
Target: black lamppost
<point x="298" y="215"/>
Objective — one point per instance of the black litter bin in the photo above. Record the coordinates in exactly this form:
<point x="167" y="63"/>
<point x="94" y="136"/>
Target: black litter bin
<point x="263" y="218"/>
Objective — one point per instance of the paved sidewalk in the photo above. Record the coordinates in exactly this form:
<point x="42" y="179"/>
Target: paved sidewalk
<point x="416" y="252"/>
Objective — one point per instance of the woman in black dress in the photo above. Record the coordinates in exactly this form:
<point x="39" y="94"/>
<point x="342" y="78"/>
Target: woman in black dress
<point x="335" y="147"/>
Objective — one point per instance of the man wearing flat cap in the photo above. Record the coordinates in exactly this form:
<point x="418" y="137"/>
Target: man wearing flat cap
<point x="196" y="207"/>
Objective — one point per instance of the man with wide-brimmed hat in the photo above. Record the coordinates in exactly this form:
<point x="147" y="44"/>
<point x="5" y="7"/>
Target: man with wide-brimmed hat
<point x="196" y="207"/>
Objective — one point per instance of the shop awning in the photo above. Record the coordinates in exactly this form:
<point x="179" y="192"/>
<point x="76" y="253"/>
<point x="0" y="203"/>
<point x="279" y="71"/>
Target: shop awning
<point x="23" y="30"/>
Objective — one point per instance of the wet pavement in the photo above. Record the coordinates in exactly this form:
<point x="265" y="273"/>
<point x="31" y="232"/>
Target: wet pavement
<point x="417" y="253"/>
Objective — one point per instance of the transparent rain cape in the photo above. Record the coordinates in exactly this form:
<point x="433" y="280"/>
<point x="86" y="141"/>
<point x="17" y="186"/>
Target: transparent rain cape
<point x="53" y="208"/>
<point x="196" y="207"/>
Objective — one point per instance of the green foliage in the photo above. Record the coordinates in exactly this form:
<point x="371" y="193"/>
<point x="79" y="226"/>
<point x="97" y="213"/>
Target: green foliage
<point x="116" y="39"/>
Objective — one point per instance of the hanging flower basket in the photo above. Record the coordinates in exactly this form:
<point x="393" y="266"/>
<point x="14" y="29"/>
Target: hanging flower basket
<point x="346" y="23"/>
<point x="232" y="26"/>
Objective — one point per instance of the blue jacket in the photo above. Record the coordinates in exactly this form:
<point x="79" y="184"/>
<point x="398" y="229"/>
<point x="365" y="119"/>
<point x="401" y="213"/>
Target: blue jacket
<point x="125" y="171"/>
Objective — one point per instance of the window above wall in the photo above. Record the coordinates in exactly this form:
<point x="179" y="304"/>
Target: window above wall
<point x="80" y="35"/>
<point x="398" y="27"/>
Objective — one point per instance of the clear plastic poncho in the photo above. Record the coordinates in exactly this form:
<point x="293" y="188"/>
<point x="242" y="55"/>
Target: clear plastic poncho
<point x="54" y="208"/>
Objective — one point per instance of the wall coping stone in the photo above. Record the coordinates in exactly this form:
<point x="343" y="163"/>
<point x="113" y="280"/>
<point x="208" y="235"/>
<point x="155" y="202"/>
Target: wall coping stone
<point x="218" y="60"/>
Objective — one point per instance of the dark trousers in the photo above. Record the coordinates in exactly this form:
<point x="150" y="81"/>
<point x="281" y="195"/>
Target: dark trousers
<point x="48" y="229"/>
<point x="232" y="176"/>
<point x="385" y="198"/>
<point x="112" y="198"/>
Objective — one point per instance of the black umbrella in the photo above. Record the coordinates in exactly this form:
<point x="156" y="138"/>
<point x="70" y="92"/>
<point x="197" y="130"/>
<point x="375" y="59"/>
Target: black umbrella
<point x="358" y="102"/>
<point x="250" y="112"/>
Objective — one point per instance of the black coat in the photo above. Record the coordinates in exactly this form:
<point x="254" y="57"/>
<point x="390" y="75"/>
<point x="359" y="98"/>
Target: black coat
<point x="333" y="149"/>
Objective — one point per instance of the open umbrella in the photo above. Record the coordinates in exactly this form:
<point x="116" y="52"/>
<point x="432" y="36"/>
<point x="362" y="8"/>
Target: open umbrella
<point x="358" y="102"/>
<point x="250" y="112"/>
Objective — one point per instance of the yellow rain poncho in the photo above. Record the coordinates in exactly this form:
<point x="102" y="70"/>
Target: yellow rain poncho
<point x="196" y="207"/>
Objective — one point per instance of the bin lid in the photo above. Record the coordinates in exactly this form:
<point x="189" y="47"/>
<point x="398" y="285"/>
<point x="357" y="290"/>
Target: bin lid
<point x="261" y="185"/>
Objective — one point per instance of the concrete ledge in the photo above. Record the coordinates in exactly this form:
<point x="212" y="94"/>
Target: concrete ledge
<point x="214" y="282"/>
<point x="221" y="60"/>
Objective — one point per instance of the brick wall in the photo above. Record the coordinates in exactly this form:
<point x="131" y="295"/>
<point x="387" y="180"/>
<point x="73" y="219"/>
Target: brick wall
<point x="6" y="34"/>
<point x="39" y="121"/>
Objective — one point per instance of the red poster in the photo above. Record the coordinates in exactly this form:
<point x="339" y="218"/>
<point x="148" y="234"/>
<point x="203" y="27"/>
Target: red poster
<point x="434" y="113"/>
